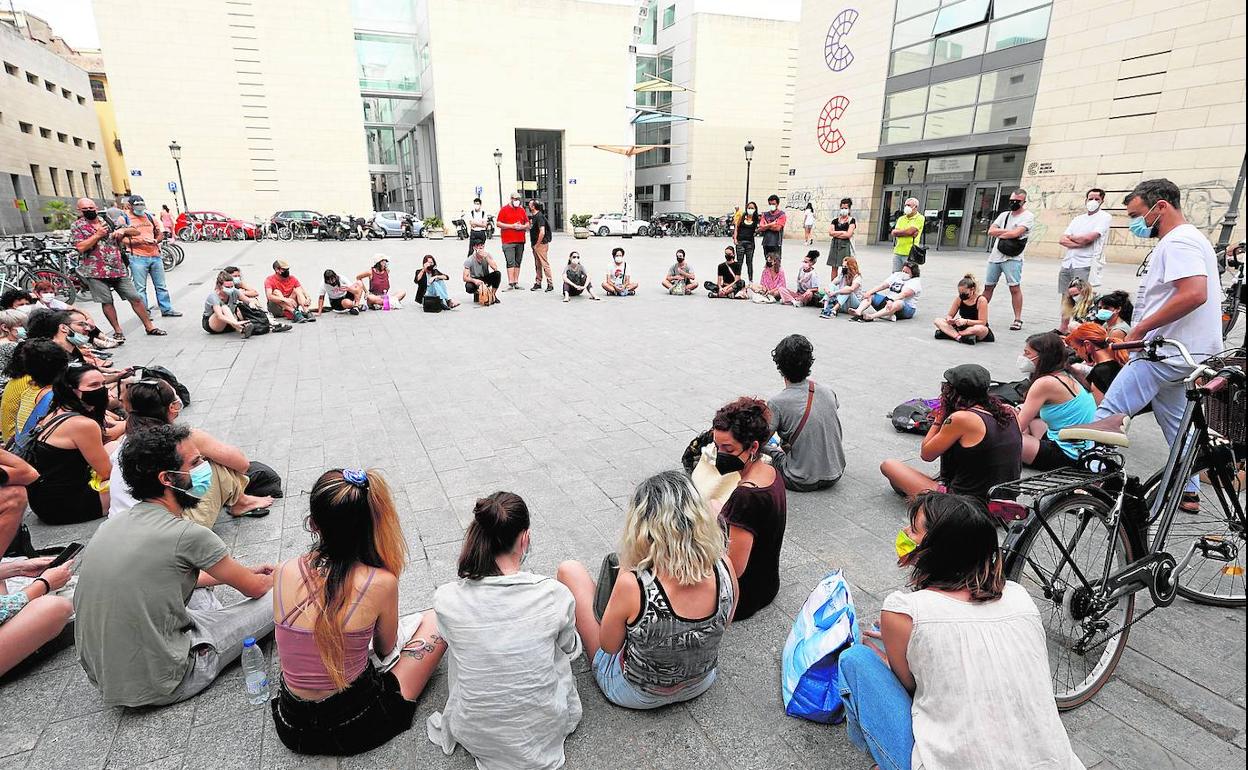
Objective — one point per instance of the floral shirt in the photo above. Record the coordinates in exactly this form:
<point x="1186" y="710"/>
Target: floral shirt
<point x="104" y="260"/>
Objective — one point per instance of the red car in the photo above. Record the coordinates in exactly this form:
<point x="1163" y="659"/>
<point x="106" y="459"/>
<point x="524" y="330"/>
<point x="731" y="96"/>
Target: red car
<point x="235" y="227"/>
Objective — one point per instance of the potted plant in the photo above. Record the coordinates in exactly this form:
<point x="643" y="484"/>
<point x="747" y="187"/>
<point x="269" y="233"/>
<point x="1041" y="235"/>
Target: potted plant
<point x="579" y="226"/>
<point x="434" y="228"/>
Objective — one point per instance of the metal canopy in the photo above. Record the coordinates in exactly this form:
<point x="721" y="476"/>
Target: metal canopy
<point x="658" y="85"/>
<point x="972" y="143"/>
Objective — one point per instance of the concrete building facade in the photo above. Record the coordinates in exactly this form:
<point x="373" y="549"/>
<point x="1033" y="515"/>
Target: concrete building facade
<point x="974" y="98"/>
<point x="49" y="135"/>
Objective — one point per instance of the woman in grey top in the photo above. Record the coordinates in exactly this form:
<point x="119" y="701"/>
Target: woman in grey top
<point x="658" y="641"/>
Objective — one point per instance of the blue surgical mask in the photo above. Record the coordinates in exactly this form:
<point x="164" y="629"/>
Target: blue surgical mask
<point x="201" y="480"/>
<point x="21" y="332"/>
<point x="78" y="340"/>
<point x="1104" y="314"/>
<point x="1141" y="229"/>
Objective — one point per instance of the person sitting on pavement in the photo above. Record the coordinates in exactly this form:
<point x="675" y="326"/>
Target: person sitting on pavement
<point x="145" y="258"/>
<point x="659" y="639"/>
<point x="17" y="298"/>
<point x="806" y="291"/>
<point x="34" y="366"/>
<point x="618" y="282"/>
<point x="576" y="280"/>
<point x="771" y="281"/>
<point x="967" y="321"/>
<point x="286" y="296"/>
<point x="974" y="435"/>
<point x="245" y="291"/>
<point x="221" y="313"/>
<point x="103" y="268"/>
<point x="481" y="270"/>
<point x="69" y="329"/>
<point x="846" y="291"/>
<point x="31" y="617"/>
<point x="343" y="297"/>
<point x="756" y="512"/>
<point x="379" y="285"/>
<point x="153" y="402"/>
<point x="148" y="629"/>
<point x="1114" y="311"/>
<point x="330" y="606"/>
<point x="12" y="332"/>
<point x="1056" y="399"/>
<point x="520" y="681"/>
<point x="923" y="690"/>
<point x="45" y="294"/>
<point x="1078" y="302"/>
<point x="680" y="279"/>
<point x="67" y="448"/>
<point x="430" y="281"/>
<point x="1091" y="342"/>
<point x="728" y="282"/>
<point x="895" y="298"/>
<point x="805" y="417"/>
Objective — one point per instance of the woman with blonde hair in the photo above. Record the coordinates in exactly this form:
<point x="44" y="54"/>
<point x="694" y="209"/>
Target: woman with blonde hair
<point x="329" y="606"/>
<point x="1078" y="303"/>
<point x="658" y="641"/>
<point x="1091" y="342"/>
<point x="512" y="637"/>
<point x="967" y="321"/>
<point x="846" y="290"/>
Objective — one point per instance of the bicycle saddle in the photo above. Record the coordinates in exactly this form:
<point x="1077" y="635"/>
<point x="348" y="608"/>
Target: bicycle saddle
<point x="1111" y="430"/>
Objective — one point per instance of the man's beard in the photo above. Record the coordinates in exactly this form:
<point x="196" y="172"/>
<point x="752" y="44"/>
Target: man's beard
<point x="184" y="500"/>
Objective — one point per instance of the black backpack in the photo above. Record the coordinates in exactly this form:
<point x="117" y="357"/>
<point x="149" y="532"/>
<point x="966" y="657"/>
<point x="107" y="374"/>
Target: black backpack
<point x="260" y="323"/>
<point x="914" y="416"/>
<point x="1012" y="393"/>
<point x="184" y="394"/>
<point x="263" y="481"/>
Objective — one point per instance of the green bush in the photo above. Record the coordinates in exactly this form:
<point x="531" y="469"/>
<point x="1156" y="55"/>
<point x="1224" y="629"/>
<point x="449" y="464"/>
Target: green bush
<point x="433" y="223"/>
<point x="60" y="215"/>
<point x="580" y="220"/>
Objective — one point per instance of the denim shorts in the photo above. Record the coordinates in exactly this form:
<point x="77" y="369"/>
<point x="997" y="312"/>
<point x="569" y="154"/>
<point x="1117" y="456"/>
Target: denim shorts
<point x="908" y="308"/>
<point x="609" y="673"/>
<point x="1012" y="269"/>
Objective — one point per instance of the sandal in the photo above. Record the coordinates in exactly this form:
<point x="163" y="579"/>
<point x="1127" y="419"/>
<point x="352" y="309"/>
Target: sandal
<point x="119" y="338"/>
<point x="1016" y="326"/>
<point x="1190" y="502"/>
<point x="254" y="513"/>
<point x="154" y="332"/>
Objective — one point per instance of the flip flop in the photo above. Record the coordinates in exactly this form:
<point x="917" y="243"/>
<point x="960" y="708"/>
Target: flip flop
<point x="255" y="513"/>
<point x="154" y="332"/>
<point x="1017" y="325"/>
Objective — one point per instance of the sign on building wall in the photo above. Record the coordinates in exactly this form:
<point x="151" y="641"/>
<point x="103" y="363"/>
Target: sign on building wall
<point x="135" y="172"/>
<point x="952" y="164"/>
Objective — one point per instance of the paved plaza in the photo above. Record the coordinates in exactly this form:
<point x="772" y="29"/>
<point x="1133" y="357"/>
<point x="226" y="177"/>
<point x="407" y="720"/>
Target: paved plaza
<point x="570" y="406"/>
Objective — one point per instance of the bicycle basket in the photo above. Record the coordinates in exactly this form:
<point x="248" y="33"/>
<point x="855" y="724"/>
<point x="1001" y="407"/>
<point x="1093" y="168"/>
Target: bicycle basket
<point x="1224" y="410"/>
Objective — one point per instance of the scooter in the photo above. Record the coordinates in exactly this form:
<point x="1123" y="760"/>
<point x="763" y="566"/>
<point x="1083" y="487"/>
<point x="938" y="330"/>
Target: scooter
<point x="461" y="228"/>
<point x="373" y="230"/>
<point x="408" y="227"/>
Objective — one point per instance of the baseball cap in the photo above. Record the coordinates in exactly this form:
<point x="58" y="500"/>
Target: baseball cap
<point x="969" y="379"/>
<point x="281" y="264"/>
<point x="136" y="199"/>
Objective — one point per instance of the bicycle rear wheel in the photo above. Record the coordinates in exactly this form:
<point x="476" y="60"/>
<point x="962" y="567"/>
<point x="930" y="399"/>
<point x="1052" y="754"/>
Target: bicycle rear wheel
<point x="62" y="286"/>
<point x="1085" y="637"/>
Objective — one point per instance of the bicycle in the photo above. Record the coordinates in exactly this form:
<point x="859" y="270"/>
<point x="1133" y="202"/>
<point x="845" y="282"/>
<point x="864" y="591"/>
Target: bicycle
<point x="1233" y="294"/>
<point x="1084" y="551"/>
<point x="34" y="260"/>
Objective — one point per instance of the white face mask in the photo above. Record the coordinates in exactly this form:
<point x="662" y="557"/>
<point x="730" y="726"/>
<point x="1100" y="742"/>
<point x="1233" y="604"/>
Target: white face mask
<point x="773" y="207"/>
<point x="476" y="208"/>
<point x="844" y="212"/>
<point x="908" y="209"/>
<point x="516" y="204"/>
<point x="1092" y="206"/>
<point x="619" y="260"/>
<point x="750" y="211"/>
<point x="1025" y="364"/>
<point x="46" y="297"/>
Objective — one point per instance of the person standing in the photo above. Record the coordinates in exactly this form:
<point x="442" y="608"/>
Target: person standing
<point x="478" y="226"/>
<point x="145" y="259"/>
<point x="1011" y="229"/>
<point x="743" y="234"/>
<point x="166" y="220"/>
<point x="539" y="237"/>
<point x="907" y="232"/>
<point x="772" y="226"/>
<point x="842" y="232"/>
<point x="104" y="269"/>
<point x="808" y="223"/>
<point x="513" y="223"/>
<point x="1084" y="241"/>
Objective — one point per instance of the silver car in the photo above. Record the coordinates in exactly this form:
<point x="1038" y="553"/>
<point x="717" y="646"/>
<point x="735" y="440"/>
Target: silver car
<point x="391" y="223"/>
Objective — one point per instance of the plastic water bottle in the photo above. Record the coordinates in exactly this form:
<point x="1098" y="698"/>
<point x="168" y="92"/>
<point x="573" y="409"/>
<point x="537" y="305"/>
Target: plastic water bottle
<point x="385" y="302"/>
<point x="255" y="672"/>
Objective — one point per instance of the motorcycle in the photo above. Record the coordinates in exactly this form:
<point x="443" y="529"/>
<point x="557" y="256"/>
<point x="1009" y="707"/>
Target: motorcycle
<point x="489" y="226"/>
<point x="659" y="229"/>
<point x="358" y="227"/>
<point x="408" y="227"/>
<point x="373" y="230"/>
<point x="461" y="228"/>
<point x="331" y="226"/>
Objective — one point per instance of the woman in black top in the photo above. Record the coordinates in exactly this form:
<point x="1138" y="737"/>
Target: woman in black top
<point x="743" y="234"/>
<point x="68" y="451"/>
<point x="974" y="435"/>
<point x="967" y="321"/>
<point x="842" y="232"/>
<point x="756" y="511"/>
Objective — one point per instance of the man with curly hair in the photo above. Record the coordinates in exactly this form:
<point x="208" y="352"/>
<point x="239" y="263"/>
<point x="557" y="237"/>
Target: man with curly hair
<point x="804" y="416"/>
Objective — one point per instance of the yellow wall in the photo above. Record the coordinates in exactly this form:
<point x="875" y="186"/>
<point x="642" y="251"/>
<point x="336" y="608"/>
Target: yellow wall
<point x="108" y="131"/>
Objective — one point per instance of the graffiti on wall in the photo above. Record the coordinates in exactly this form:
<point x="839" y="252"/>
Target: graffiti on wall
<point x="831" y="140"/>
<point x="826" y="202"/>
<point x="835" y="51"/>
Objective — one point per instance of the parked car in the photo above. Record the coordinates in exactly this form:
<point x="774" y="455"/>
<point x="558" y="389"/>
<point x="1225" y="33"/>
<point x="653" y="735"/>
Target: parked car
<point x="195" y="220"/>
<point x="391" y="222"/>
<point x="613" y="224"/>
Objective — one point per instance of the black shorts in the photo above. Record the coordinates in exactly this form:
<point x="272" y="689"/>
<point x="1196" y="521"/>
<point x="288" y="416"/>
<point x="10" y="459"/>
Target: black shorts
<point x="336" y="304"/>
<point x="1051" y="457"/>
<point x="367" y="714"/>
<point x="208" y="328"/>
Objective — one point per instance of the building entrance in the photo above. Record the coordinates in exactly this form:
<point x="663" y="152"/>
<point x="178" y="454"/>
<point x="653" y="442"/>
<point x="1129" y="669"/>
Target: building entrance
<point x="539" y="167"/>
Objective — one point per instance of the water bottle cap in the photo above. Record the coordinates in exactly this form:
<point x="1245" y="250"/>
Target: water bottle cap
<point x="249" y="641"/>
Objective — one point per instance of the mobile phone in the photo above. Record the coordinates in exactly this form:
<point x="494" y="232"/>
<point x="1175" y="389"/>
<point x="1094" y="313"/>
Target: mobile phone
<point x="67" y="553"/>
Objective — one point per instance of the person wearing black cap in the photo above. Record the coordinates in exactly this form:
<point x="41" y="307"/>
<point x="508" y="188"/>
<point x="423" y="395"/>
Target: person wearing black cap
<point x="974" y="435"/>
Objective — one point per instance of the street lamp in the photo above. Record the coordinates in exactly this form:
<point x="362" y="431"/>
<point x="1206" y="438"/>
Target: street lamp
<point x="749" y="159"/>
<point x="910" y="173"/>
<point x="175" y="151"/>
<point x="99" y="185"/>
<point x="498" y="166"/>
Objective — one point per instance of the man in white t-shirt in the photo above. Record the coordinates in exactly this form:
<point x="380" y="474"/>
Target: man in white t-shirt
<point x="1011" y="229"/>
<point x="1178" y="299"/>
<point x="1084" y="241"/>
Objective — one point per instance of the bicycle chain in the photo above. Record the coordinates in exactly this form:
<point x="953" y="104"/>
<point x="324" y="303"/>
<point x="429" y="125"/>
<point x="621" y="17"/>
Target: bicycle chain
<point x="1122" y="628"/>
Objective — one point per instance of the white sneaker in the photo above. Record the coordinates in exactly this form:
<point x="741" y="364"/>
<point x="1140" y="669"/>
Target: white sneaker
<point x="395" y="304"/>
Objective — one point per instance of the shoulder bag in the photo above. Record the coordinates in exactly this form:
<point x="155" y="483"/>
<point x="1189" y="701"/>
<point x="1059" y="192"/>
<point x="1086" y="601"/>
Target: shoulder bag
<point x="1010" y="247"/>
<point x="810" y="400"/>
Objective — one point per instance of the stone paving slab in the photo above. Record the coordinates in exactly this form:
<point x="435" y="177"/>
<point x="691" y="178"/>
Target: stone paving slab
<point x="570" y="406"/>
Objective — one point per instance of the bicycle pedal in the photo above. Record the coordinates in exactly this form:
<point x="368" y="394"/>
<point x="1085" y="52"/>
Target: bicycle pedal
<point x="1217" y="548"/>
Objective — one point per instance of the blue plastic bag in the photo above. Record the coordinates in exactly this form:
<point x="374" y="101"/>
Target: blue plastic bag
<point x="824" y="628"/>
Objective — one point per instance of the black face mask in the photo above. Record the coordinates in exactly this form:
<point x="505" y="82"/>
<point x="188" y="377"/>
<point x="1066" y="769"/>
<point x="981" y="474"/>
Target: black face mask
<point x="90" y="214"/>
<point x="96" y="399"/>
<point x="284" y="273"/>
<point x="1015" y="205"/>
<point x="964" y="296"/>
<point x="726" y="463"/>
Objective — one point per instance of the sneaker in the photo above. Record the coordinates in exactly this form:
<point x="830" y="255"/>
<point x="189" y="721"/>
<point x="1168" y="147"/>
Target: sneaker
<point x="309" y="317"/>
<point x="536" y="287"/>
<point x="797" y="303"/>
<point x="279" y="328"/>
<point x="172" y="314"/>
<point x="298" y="317"/>
<point x="969" y="339"/>
<point x="549" y="287"/>
<point x="247" y="329"/>
<point x="565" y="299"/>
<point x="352" y="311"/>
<point x="825" y="314"/>
<point x="395" y="304"/>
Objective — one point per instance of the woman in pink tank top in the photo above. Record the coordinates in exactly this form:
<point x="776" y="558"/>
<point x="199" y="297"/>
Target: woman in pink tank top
<point x="334" y="603"/>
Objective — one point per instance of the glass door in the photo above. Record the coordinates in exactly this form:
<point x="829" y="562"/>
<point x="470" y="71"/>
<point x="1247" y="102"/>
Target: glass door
<point x="890" y="209"/>
<point x="987" y="201"/>
<point x="933" y="213"/>
<point x="955" y="215"/>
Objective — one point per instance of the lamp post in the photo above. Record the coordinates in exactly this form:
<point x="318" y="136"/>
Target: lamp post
<point x="498" y="167"/>
<point x="175" y="151"/>
<point x="910" y="173"/>
<point x="99" y="185"/>
<point x="749" y="159"/>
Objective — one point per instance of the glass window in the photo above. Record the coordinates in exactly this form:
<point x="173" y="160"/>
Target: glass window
<point x="1004" y="116"/>
<point x="902" y="130"/>
<point x="1009" y="83"/>
<point x="1017" y="30"/>
<point x="905" y="103"/>
<point x="953" y="93"/>
<point x="665" y="192"/>
<point x="34" y="175"/>
<point x="958" y="15"/>
<point x="649" y="25"/>
<point x="1000" y="165"/>
<point x="960" y="45"/>
<point x="918" y="57"/>
<point x="380" y="145"/>
<point x="669" y="16"/>
<point x="97" y="90"/>
<point x="949" y="123"/>
<point x="1003" y="8"/>
<point x="913" y="31"/>
<point x="908" y="8"/>
<point x="904" y="171"/>
<point x="387" y="63"/>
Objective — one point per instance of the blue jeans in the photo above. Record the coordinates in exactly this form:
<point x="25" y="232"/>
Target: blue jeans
<point x="438" y="289"/>
<point x="140" y="269"/>
<point x="877" y="708"/>
<point x="1141" y="383"/>
<point x="843" y="302"/>
<point x="609" y="673"/>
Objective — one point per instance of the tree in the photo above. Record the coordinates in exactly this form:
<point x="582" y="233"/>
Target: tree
<point x="60" y="215"/>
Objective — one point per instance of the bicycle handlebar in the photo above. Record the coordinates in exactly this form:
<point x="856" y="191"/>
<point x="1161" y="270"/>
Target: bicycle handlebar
<point x="1156" y="342"/>
<point x="1138" y="344"/>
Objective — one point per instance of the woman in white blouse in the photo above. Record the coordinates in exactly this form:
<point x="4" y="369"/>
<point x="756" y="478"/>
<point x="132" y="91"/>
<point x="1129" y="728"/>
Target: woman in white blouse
<point x="963" y="678"/>
<point x="511" y="639"/>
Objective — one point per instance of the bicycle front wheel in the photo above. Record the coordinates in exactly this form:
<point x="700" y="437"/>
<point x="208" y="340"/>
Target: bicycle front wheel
<point x="62" y="286"/>
<point x="1085" y="634"/>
